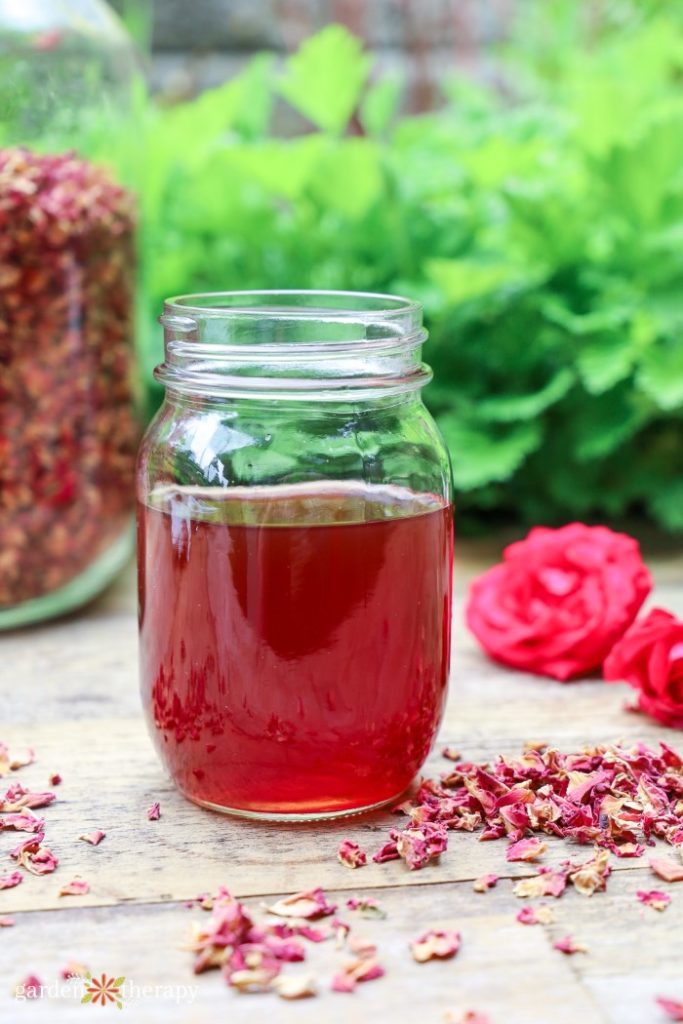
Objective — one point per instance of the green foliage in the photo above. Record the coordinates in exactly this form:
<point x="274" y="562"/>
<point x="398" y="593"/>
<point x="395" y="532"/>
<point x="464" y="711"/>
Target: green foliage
<point x="545" y="239"/>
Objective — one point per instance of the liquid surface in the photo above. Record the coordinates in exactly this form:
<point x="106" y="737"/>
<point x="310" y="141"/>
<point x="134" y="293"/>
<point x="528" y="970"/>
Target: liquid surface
<point x="294" y="642"/>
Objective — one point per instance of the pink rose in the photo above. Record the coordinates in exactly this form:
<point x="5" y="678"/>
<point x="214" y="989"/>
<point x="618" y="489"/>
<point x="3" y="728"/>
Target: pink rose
<point x="650" y="659"/>
<point x="559" y="600"/>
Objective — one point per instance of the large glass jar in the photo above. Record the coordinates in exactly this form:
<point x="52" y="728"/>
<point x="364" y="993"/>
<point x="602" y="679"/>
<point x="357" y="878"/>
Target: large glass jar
<point x="68" y="429"/>
<point x="295" y="553"/>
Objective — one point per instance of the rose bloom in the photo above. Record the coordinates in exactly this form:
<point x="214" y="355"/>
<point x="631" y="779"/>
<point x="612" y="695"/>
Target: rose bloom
<point x="650" y="659"/>
<point x="559" y="600"/>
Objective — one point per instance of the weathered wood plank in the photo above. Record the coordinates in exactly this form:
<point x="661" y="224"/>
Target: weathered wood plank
<point x="504" y="968"/>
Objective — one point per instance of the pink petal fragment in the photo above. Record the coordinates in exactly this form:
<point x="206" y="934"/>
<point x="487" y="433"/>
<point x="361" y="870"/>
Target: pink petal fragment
<point x="569" y="946"/>
<point x="154" y="812"/>
<point x="667" y="869"/>
<point x="526" y="849"/>
<point x="9" y="881"/>
<point x="30" y="988"/>
<point x="77" y="887"/>
<point x="94" y="838"/>
<point x="351" y="855"/>
<point x="484" y="882"/>
<point x="435" y="945"/>
<point x="309" y="905"/>
<point x="654" y="898"/>
<point x="536" y="915"/>
<point x="672" y="1008"/>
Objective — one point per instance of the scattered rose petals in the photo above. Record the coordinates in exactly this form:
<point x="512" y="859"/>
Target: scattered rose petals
<point x="569" y="946"/>
<point x="536" y="915"/>
<point x="654" y="898"/>
<point x="30" y="988"/>
<point x="366" y="906"/>
<point x="526" y="849"/>
<point x="672" y="1008"/>
<point x="17" y="798"/>
<point x="667" y="869"/>
<point x="435" y="945"/>
<point x="295" y="986"/>
<point x="355" y="971"/>
<point x="55" y="779"/>
<point x="228" y="927"/>
<point x="73" y="970"/>
<point x="351" y="855"/>
<point x="9" y="881"/>
<point x="309" y="905"/>
<point x="77" y="887"/>
<point x="484" y="883"/>
<point x="154" y="812"/>
<point x="6" y="922"/>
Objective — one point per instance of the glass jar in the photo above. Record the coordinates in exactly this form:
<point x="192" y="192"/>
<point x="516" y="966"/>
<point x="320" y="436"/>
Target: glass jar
<point x="295" y="553"/>
<point x="68" y="159"/>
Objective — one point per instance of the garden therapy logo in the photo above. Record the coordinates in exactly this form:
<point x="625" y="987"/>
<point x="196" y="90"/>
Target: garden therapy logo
<point x="103" y="990"/>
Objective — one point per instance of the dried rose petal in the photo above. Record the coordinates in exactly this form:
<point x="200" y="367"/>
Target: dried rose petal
<point x="451" y="753"/>
<point x="37" y="859"/>
<point x="6" y="922"/>
<point x="354" y="972"/>
<point x="309" y="905"/>
<point x="77" y="887"/>
<point x="367" y="906"/>
<point x="591" y="876"/>
<point x="526" y="849"/>
<point x="654" y="898"/>
<point x="154" y="812"/>
<point x="569" y="946"/>
<point x="418" y="845"/>
<point x="17" y="798"/>
<point x="55" y="779"/>
<point x="546" y="883"/>
<point x="435" y="945"/>
<point x="667" y="869"/>
<point x="74" y="970"/>
<point x="22" y="822"/>
<point x="30" y="988"/>
<point x="94" y="838"/>
<point x="9" y="881"/>
<point x="672" y="1008"/>
<point x="351" y="855"/>
<point x="21" y="762"/>
<point x="362" y="947"/>
<point x="295" y="986"/>
<point x="484" y="882"/>
<point x="536" y="915"/>
<point x="227" y="927"/>
<point x="387" y="852"/>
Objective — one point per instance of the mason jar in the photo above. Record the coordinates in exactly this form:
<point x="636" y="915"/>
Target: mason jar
<point x="68" y="166"/>
<point x="295" y="553"/>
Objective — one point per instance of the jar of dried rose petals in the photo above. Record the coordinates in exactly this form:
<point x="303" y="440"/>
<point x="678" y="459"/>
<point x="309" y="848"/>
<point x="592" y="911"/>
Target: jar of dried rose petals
<point x="68" y="156"/>
<point x="295" y="547"/>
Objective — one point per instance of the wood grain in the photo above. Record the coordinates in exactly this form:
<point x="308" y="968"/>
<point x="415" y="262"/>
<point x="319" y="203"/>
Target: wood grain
<point x="70" y="690"/>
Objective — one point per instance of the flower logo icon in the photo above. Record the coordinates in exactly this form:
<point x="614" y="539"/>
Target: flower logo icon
<point x="103" y="990"/>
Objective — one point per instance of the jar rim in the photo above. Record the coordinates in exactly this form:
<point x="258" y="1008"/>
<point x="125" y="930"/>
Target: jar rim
<point x="294" y="303"/>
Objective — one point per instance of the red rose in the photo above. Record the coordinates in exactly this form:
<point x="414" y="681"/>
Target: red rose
<point x="559" y="600"/>
<point x="650" y="659"/>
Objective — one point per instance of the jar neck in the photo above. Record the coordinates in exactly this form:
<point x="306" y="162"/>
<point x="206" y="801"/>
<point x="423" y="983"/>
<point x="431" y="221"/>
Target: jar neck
<point x="293" y="346"/>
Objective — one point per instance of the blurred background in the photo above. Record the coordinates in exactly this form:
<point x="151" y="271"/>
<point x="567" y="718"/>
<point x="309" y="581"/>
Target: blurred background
<point x="516" y="165"/>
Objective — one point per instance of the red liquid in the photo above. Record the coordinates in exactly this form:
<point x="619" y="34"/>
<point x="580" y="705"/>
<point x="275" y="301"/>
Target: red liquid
<point x="294" y="661"/>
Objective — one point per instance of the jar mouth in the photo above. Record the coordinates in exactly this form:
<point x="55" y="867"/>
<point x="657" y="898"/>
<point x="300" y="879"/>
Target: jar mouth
<point x="299" y="303"/>
<point x="294" y="341"/>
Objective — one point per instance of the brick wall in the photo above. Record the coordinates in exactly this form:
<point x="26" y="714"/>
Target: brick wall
<point x="199" y="43"/>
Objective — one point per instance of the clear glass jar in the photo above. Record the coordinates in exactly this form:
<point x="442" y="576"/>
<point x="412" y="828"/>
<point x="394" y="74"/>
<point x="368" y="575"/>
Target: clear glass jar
<point x="68" y="160"/>
<point x="295" y="553"/>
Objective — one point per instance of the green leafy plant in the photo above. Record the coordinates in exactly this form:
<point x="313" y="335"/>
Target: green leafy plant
<point x="544" y="236"/>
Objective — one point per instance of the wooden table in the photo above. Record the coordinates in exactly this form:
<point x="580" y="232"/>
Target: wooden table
<point x="69" y="689"/>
